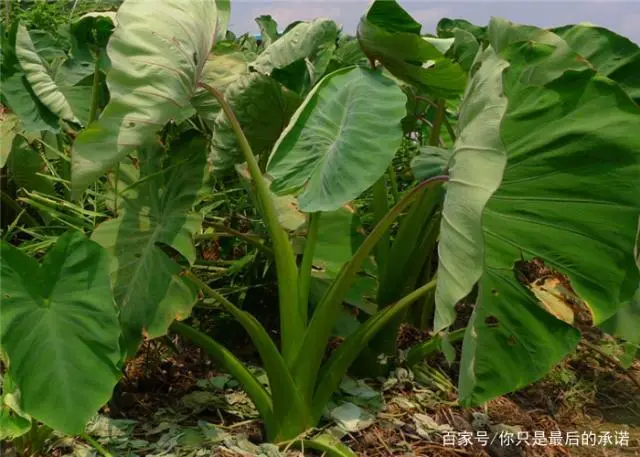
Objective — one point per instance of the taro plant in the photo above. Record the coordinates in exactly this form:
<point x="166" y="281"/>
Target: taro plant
<point x="300" y="383"/>
<point x="530" y="161"/>
<point x="521" y="230"/>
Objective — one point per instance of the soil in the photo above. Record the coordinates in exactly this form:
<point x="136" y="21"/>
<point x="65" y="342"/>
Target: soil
<point x="583" y="394"/>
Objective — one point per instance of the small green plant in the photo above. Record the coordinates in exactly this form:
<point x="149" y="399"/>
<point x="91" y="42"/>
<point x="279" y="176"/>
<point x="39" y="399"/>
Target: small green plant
<point x="41" y="15"/>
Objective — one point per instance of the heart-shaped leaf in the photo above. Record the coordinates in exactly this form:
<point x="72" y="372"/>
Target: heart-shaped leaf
<point x="526" y="214"/>
<point x="157" y="54"/>
<point x="59" y="329"/>
<point x="156" y="216"/>
<point x="328" y="151"/>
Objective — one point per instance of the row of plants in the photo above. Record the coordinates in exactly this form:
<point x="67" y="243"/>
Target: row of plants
<point x="525" y="203"/>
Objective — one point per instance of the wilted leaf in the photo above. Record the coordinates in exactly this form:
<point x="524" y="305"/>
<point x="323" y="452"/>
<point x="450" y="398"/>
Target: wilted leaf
<point x="351" y="418"/>
<point x="447" y="28"/>
<point x="358" y="388"/>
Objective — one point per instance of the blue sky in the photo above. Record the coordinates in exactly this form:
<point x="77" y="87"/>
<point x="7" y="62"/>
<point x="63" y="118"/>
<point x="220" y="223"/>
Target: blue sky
<point x="621" y="17"/>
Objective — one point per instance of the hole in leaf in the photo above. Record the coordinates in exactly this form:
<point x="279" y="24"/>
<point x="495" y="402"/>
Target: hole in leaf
<point x="494" y="292"/>
<point x="554" y="292"/>
<point x="491" y="321"/>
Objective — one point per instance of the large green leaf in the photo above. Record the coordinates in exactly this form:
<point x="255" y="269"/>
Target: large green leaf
<point x="17" y="92"/>
<point x="221" y="70"/>
<point x="263" y="108"/>
<point x="157" y="54"/>
<point x="299" y="43"/>
<point x="387" y="33"/>
<point x="59" y="329"/>
<point x="39" y="78"/>
<point x="611" y="54"/>
<point x="328" y="151"/>
<point x="478" y="153"/>
<point x="156" y="216"/>
<point x="571" y="174"/>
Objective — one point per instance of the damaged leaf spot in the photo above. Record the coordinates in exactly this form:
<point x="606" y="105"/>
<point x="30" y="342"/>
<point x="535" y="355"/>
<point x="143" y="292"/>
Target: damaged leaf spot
<point x="554" y="292"/>
<point x="491" y="321"/>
